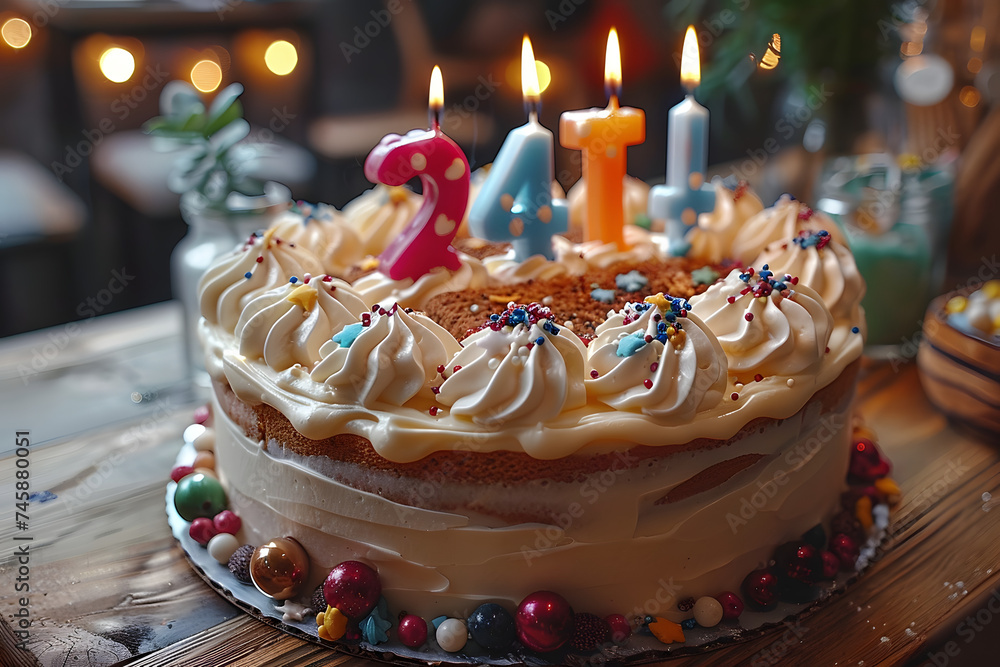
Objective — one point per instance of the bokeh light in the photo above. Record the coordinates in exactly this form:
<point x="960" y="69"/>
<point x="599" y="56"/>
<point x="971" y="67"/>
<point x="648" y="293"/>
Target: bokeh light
<point x="281" y="57"/>
<point x="117" y="64"/>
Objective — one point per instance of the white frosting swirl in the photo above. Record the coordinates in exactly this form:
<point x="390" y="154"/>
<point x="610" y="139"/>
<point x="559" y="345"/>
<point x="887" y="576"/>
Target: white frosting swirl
<point x="224" y="289"/>
<point x="780" y="222"/>
<point x="390" y="361"/>
<point x="830" y="271"/>
<point x="378" y="215"/>
<point x="596" y="254"/>
<point x="712" y="239"/>
<point x="783" y="335"/>
<point x="686" y="374"/>
<point x="325" y="231"/>
<point x="379" y="288"/>
<point x="287" y="325"/>
<point x="518" y="375"/>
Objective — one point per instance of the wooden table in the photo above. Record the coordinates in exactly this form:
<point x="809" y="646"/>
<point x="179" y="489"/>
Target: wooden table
<point x="109" y="586"/>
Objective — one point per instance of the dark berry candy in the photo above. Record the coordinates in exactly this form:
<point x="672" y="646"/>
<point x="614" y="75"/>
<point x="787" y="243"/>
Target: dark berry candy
<point x="689" y="624"/>
<point x="492" y="627"/>
<point x="831" y="565"/>
<point x="845" y="522"/>
<point x="798" y="561"/>
<point x="867" y="463"/>
<point x="845" y="549"/>
<point x="815" y="536"/>
<point x="686" y="605"/>
<point x="202" y="530"/>
<point x="180" y="472"/>
<point x="794" y="591"/>
<point x="589" y="632"/>
<point x="354" y="588"/>
<point x="544" y="621"/>
<point x="621" y="630"/>
<point x="412" y="631"/>
<point x="317" y="602"/>
<point x="353" y="632"/>
<point x="732" y="605"/>
<point x="760" y="589"/>
<point x="239" y="564"/>
<point x="227" y="522"/>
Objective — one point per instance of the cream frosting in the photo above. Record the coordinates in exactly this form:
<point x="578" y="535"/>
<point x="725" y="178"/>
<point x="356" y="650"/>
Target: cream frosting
<point x="377" y="287"/>
<point x="778" y="223"/>
<point x="685" y="372"/>
<point x="522" y="374"/>
<point x="712" y="239"/>
<point x="287" y="325"/>
<point x="321" y="228"/>
<point x="827" y="267"/>
<point x="380" y="214"/>
<point x="263" y="263"/>
<point x="389" y="357"/>
<point x="780" y="331"/>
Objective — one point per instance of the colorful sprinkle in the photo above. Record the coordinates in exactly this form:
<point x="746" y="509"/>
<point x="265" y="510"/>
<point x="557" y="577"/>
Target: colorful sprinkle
<point x="758" y="377"/>
<point x="748" y="317"/>
<point x="706" y="275"/>
<point x="653" y="366"/>
<point x="855" y="330"/>
<point x="594" y="374"/>
<point x="433" y="411"/>
<point x="248" y="275"/>
<point x="735" y="396"/>
<point x="633" y="281"/>
<point x="346" y="336"/>
<point x="602" y="295"/>
<point x="807" y="239"/>
<point x="647" y="383"/>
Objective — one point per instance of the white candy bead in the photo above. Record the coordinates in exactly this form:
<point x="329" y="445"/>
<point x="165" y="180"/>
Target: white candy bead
<point x="206" y="441"/>
<point x="222" y="547"/>
<point x="707" y="612"/>
<point x="452" y="634"/>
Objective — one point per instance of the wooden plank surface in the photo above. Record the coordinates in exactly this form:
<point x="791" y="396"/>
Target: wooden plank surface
<point x="108" y="586"/>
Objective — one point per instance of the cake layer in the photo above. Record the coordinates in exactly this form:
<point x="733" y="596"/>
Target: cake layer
<point x="631" y="538"/>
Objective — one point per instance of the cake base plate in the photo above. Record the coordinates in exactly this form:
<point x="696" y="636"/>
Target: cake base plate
<point x="640" y="648"/>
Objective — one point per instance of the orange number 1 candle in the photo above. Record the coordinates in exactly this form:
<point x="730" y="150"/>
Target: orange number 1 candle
<point x="603" y="135"/>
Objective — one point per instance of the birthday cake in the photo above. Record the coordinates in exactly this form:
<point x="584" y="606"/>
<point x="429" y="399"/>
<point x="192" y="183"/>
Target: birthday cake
<point x="552" y="453"/>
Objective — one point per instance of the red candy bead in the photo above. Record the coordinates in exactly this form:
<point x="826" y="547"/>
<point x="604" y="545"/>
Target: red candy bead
<point x="845" y="549"/>
<point x="799" y="561"/>
<point x="732" y="605"/>
<point x="353" y="588"/>
<point x="180" y="472"/>
<point x="202" y="530"/>
<point x="620" y="628"/>
<point x="831" y="564"/>
<point x="227" y="522"/>
<point x="202" y="414"/>
<point x="412" y="631"/>
<point x="760" y="589"/>
<point x="544" y="621"/>
<point x="647" y="383"/>
<point x="867" y="464"/>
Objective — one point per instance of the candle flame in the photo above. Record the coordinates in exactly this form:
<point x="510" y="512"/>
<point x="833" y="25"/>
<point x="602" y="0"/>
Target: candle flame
<point x="690" y="60"/>
<point x="613" y="64"/>
<point x="436" y="97"/>
<point x="529" y="73"/>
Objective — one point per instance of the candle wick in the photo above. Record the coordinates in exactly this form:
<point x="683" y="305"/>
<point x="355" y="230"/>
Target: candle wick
<point x="613" y="102"/>
<point x="434" y="114"/>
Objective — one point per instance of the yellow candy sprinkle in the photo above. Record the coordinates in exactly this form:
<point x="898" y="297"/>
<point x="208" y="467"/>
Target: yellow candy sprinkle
<point x="996" y="321"/>
<point x="666" y="631"/>
<point x="659" y="301"/>
<point x="303" y="296"/>
<point x="369" y="263"/>
<point x="956" y="304"/>
<point x="991" y="289"/>
<point x="863" y="512"/>
<point x="500" y="298"/>
<point x="332" y="624"/>
<point x="398" y="194"/>
<point x="888" y="486"/>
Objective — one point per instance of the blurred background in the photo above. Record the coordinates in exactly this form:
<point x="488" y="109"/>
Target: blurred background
<point x="878" y="112"/>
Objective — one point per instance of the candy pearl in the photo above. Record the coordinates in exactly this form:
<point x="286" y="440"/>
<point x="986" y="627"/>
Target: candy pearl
<point x="412" y="631"/>
<point x="732" y="605"/>
<point x="352" y="587"/>
<point x="222" y="547"/>
<point x="544" y="621"/>
<point x="199" y="495"/>
<point x="180" y="472"/>
<point x="202" y="414"/>
<point x="279" y="568"/>
<point x="206" y="441"/>
<point x="202" y="530"/>
<point x="227" y="522"/>
<point x="620" y="628"/>
<point x="708" y="612"/>
<point x="452" y="635"/>
<point x="492" y="627"/>
<point x="204" y="459"/>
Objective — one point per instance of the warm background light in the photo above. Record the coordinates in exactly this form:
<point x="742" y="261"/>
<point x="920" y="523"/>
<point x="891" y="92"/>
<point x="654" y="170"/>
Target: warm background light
<point x="544" y="75"/>
<point x="206" y="75"/>
<point x="690" y="60"/>
<point x="16" y="32"/>
<point x="117" y="64"/>
<point x="613" y="63"/>
<point x="281" y="57"/>
<point x="512" y="74"/>
<point x="436" y="97"/>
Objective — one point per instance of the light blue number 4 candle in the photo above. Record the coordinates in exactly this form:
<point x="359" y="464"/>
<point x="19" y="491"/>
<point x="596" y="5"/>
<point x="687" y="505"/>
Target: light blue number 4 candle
<point x="515" y="203"/>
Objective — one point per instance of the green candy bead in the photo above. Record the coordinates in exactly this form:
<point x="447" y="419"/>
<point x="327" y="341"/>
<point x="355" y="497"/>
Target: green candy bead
<point x="199" y="495"/>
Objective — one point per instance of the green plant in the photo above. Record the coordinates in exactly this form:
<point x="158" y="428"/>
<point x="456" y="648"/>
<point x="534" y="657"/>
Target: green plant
<point x="212" y="164"/>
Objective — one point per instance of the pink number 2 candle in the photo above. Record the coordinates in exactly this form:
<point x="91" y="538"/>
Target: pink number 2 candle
<point x="425" y="243"/>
